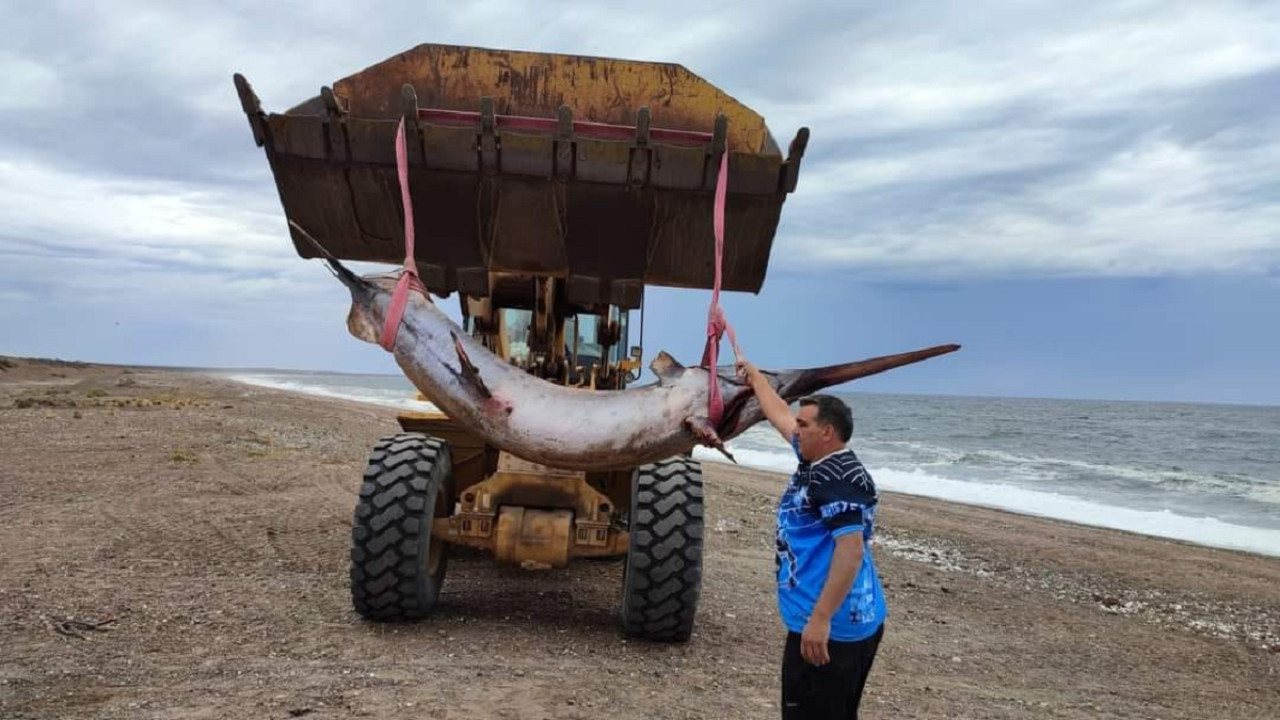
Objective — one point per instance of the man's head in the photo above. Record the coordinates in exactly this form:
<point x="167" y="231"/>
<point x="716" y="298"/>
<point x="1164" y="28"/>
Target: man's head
<point x="823" y="426"/>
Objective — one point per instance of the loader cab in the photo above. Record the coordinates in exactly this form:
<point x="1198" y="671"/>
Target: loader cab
<point x="590" y="349"/>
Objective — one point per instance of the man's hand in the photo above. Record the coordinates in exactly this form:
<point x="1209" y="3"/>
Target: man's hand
<point x="775" y="409"/>
<point x="813" y="641"/>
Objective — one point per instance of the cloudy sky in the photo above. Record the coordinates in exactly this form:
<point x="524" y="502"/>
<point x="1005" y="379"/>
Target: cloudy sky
<point x="1087" y="196"/>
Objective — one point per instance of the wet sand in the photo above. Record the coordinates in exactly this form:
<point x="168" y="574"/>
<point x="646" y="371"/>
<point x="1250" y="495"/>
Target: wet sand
<point x="205" y="525"/>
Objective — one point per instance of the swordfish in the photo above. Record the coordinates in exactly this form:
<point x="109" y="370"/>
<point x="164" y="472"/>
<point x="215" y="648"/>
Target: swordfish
<point x="573" y="428"/>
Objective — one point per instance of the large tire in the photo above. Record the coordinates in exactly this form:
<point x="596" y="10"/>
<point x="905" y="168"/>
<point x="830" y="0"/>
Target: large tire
<point x="396" y="567"/>
<point x="662" y="582"/>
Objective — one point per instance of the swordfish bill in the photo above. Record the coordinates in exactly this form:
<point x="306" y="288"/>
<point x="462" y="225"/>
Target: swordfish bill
<point x="572" y="428"/>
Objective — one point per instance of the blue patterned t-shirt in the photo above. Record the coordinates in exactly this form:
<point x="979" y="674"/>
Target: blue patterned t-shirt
<point x="825" y="500"/>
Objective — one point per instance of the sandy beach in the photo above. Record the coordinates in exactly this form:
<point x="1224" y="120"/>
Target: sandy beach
<point x="175" y="546"/>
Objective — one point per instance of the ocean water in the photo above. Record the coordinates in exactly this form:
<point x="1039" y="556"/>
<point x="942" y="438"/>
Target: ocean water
<point x="387" y="390"/>
<point x="1207" y="474"/>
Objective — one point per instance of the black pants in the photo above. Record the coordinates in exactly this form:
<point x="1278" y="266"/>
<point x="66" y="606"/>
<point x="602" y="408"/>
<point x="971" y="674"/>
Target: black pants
<point x="829" y="692"/>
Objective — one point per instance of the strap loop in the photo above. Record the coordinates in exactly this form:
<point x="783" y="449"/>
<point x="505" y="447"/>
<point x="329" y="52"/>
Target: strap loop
<point x="717" y="323"/>
<point x="409" y="276"/>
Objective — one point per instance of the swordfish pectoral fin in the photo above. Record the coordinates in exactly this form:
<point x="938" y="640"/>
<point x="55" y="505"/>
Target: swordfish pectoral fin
<point x="702" y="429"/>
<point x="468" y="371"/>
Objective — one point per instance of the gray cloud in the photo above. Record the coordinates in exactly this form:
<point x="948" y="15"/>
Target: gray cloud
<point x="969" y="139"/>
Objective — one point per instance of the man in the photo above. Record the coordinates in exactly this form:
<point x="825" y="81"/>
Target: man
<point x="829" y="593"/>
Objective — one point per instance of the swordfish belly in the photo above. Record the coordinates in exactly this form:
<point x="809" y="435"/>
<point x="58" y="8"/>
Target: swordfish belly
<point x="573" y="428"/>
<point x="542" y="421"/>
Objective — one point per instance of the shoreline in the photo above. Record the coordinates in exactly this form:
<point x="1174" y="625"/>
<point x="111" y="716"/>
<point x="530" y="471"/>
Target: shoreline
<point x="1246" y="538"/>
<point x="207" y="523"/>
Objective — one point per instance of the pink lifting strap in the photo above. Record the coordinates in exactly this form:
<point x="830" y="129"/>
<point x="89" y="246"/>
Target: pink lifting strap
<point x="717" y="324"/>
<point x="409" y="276"/>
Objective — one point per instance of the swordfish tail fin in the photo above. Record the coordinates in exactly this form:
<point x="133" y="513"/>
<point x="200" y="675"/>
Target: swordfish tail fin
<point x="795" y="384"/>
<point x="348" y="278"/>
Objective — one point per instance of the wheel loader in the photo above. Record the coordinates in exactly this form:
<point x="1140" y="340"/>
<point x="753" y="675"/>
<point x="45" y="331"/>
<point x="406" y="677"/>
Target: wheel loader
<point x="549" y="191"/>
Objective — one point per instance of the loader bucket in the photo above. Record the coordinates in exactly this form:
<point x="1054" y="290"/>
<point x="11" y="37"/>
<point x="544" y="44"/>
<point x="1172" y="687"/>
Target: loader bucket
<point x="595" y="171"/>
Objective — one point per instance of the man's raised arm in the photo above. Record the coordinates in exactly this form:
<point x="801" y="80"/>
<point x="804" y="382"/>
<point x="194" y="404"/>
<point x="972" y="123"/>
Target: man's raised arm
<point x="774" y="407"/>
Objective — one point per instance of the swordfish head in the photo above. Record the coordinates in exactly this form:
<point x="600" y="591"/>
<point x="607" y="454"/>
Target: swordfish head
<point x="742" y="408"/>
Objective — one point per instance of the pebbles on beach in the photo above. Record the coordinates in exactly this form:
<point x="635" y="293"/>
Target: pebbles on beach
<point x="195" y="559"/>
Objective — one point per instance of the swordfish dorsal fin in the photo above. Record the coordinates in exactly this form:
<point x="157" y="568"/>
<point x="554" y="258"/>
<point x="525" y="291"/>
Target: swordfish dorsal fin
<point x="667" y="368"/>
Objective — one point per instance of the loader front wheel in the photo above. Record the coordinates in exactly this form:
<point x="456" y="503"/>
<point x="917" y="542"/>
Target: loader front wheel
<point x="662" y="582"/>
<point x="397" y="568"/>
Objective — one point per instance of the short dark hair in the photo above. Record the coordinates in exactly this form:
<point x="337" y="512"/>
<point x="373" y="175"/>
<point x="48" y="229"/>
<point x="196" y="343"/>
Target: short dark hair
<point x="834" y="412"/>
